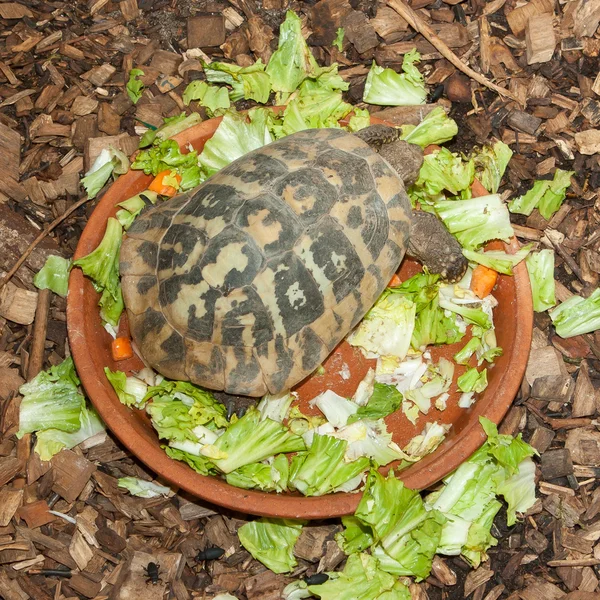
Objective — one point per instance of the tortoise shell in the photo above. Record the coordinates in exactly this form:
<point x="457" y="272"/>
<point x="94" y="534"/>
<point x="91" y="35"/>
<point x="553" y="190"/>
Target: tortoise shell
<point x="247" y="283"/>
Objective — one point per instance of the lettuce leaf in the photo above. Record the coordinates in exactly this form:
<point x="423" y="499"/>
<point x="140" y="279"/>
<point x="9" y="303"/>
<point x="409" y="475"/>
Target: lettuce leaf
<point x="545" y="195"/>
<point x="134" y="86"/>
<point x="251" y="83"/>
<point x="271" y="542"/>
<point x="142" y="488"/>
<point x="384" y="400"/>
<point x="540" y="266"/>
<point x="577" y="315"/>
<point x="212" y="97"/>
<point x="54" y="275"/>
<point x="388" y="88"/>
<point x="498" y="260"/>
<point x="443" y="170"/>
<point x="435" y="128"/>
<point x="490" y="163"/>
<point x="200" y="464"/>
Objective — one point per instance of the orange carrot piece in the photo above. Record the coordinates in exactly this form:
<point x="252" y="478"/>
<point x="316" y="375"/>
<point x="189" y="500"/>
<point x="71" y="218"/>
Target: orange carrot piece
<point x="121" y="348"/>
<point x="394" y="281"/>
<point x="483" y="281"/>
<point x="159" y="186"/>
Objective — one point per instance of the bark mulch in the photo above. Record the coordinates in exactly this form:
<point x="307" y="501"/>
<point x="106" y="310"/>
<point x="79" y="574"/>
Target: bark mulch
<point x="63" y="69"/>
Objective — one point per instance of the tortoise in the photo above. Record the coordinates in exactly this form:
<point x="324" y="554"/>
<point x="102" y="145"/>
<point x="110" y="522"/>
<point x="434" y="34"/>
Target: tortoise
<point x="249" y="281"/>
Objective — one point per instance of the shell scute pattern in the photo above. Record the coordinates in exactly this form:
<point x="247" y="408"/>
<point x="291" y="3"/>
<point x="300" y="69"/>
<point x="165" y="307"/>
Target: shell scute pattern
<point x="248" y="282"/>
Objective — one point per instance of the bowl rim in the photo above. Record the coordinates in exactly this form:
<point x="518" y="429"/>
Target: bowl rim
<point x="122" y="421"/>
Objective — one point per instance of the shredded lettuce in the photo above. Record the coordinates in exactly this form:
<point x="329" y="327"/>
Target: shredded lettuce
<point x="388" y="88"/>
<point x="498" y="260"/>
<point x="477" y="220"/>
<point x="102" y="267"/>
<point x="337" y="410"/>
<point x="251" y="440"/>
<point x="134" y="86"/>
<point x="108" y="161"/>
<point x="472" y="380"/>
<point x="212" y="97"/>
<point x="200" y="464"/>
<point x="435" y="128"/>
<point x="387" y="328"/>
<point x="143" y="489"/>
<point x="443" y="170"/>
<point x="339" y="39"/>
<point x="362" y="579"/>
<point x="171" y="126"/>
<point x="54" y="275"/>
<point x="540" y="266"/>
<point x="322" y="469"/>
<point x="490" y="163"/>
<point x="276" y="407"/>
<point x="133" y="206"/>
<point x="251" y="83"/>
<point x="545" y="195"/>
<point x="51" y="441"/>
<point x="235" y="136"/>
<point x="384" y="400"/>
<point x="131" y="391"/>
<point x="577" y="315"/>
<point x="271" y="542"/>
<point x="269" y="477"/>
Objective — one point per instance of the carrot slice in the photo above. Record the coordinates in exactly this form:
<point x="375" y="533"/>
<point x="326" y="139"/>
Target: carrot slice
<point x="394" y="281"/>
<point x="158" y="185"/>
<point x="121" y="348"/>
<point x="483" y="281"/>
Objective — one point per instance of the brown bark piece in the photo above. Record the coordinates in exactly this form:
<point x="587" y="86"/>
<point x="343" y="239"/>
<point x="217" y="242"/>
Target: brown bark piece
<point x="519" y="17"/>
<point x="310" y="544"/>
<point x="9" y="467"/>
<point x="129" y="9"/>
<point x="10" y="587"/>
<point x="586" y="18"/>
<point x="360" y="32"/>
<point x="109" y="121"/>
<point x="99" y="75"/>
<point x="588" y="141"/>
<point x="556" y="463"/>
<point x="71" y="473"/>
<point x="476" y="578"/>
<point x="389" y="25"/>
<point x="540" y="39"/>
<point x="110" y="540"/>
<point x="10" y="150"/>
<point x="584" y="446"/>
<point x="10" y="500"/>
<point x="541" y="438"/>
<point x="206" y="31"/>
<point x="17" y="305"/>
<point x="166" y="62"/>
<point x="543" y="362"/>
<point x="326" y="17"/>
<point x="523" y="121"/>
<point x="265" y="586"/>
<point x="84" y="586"/>
<point x="584" y="398"/>
<point x="558" y="388"/>
<point x="541" y="590"/>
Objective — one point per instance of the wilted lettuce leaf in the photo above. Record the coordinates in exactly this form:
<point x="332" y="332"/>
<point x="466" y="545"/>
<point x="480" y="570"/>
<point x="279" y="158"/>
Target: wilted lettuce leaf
<point x="546" y="195"/>
<point x="435" y="128"/>
<point x="498" y="260"/>
<point x="577" y="315"/>
<point x="540" y="266"/>
<point x="134" y="85"/>
<point x="142" y="488"/>
<point x="212" y="97"/>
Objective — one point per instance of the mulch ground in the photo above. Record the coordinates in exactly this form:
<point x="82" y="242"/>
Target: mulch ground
<point x="63" y="68"/>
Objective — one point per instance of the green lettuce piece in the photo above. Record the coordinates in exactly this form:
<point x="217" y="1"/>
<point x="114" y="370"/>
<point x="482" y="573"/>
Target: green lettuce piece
<point x="251" y="440"/>
<point x="388" y="88"/>
<point x="293" y="61"/>
<point x="133" y="206"/>
<point x="432" y="326"/>
<point x="134" y="85"/>
<point x="472" y="380"/>
<point x="470" y="314"/>
<point x="498" y="260"/>
<point x="519" y="490"/>
<point x="479" y="537"/>
<point x="131" y="391"/>
<point x="443" y="170"/>
<point x="102" y="267"/>
<point x="51" y="441"/>
<point x="384" y="400"/>
<point x="388" y="327"/>
<point x="143" y="489"/>
<point x="271" y="542"/>
<point x="545" y="195"/>
<point x="171" y="126"/>
<point x="165" y="155"/>
<point x="339" y="39"/>
<point x="405" y="530"/>
<point x="54" y="275"/>
<point x="490" y="163"/>
<point x="361" y="579"/>
<point x="323" y="470"/>
<point x="355" y="537"/>
<point x="251" y="83"/>
<point x="359" y="119"/>
<point x="272" y="477"/>
<point x="172" y="419"/>
<point x="201" y="405"/>
<point x="212" y="97"/>
<point x="577" y="315"/>
<point x="108" y="161"/>
<point x="51" y="400"/>
<point x="200" y="464"/>
<point x="235" y="136"/>
<point x="463" y="356"/>
<point x="477" y="220"/>
<point x="435" y="128"/>
<point x="540" y="266"/>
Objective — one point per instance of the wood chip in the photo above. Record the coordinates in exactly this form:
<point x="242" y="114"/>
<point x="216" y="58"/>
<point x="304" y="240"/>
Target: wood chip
<point x="84" y="105"/>
<point x="540" y="39"/>
<point x="519" y="17"/>
<point x="584" y="446"/>
<point x="71" y="473"/>
<point x="80" y="550"/>
<point x="10" y="151"/>
<point x="17" y="305"/>
<point x="476" y="578"/>
<point x="588" y="141"/>
<point x="14" y="10"/>
<point x="205" y="31"/>
<point x="586" y="18"/>
<point x="584" y="398"/>
<point x="10" y="500"/>
<point x="556" y="463"/>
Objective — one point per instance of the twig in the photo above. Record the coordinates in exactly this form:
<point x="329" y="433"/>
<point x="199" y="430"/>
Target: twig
<point x="38" y="239"/>
<point x="417" y="23"/>
<point x="36" y="362"/>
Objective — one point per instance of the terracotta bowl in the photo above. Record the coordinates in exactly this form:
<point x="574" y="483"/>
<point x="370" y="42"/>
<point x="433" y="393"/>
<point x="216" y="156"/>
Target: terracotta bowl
<point x="90" y="345"/>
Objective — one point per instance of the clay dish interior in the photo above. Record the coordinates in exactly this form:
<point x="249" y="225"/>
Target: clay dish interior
<point x="90" y="345"/>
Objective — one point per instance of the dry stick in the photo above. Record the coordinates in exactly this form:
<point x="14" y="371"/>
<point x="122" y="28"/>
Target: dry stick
<point x="38" y="239"/>
<point x="36" y="362"/>
<point x="417" y="23"/>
